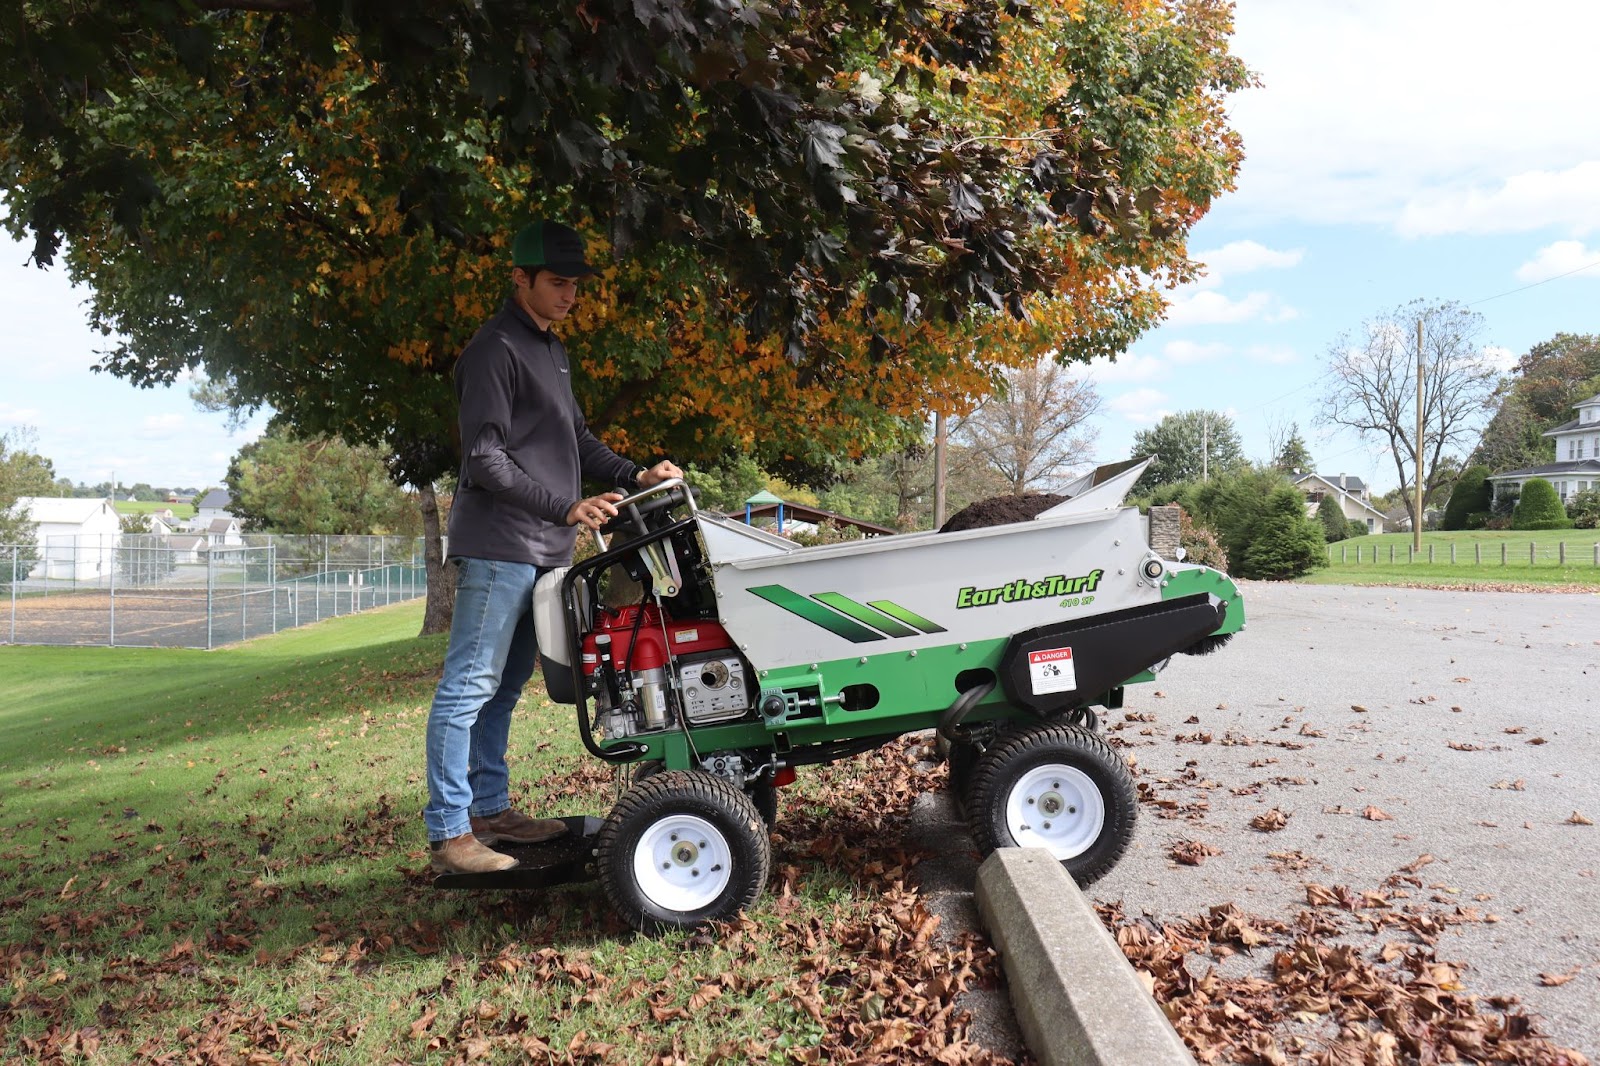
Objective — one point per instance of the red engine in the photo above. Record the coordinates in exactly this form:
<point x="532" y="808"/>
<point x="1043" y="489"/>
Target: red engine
<point x="639" y="669"/>
<point x="648" y="650"/>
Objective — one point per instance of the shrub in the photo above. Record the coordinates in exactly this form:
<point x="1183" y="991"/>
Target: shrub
<point x="1472" y="495"/>
<point x="1284" y="543"/>
<point x="1584" y="509"/>
<point x="1200" y="545"/>
<point x="1356" y="528"/>
<point x="1335" y="526"/>
<point x="1539" y="507"/>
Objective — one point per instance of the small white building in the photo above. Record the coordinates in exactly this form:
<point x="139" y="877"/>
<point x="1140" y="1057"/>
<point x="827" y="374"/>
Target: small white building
<point x="1577" y="464"/>
<point x="77" y="538"/>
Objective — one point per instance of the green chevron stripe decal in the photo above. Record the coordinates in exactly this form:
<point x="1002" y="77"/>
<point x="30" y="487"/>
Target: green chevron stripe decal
<point x="816" y="614"/>
<point x="910" y="618"/>
<point x="862" y="613"/>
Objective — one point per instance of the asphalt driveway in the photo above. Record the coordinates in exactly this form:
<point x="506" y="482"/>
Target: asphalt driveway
<point x="1388" y="725"/>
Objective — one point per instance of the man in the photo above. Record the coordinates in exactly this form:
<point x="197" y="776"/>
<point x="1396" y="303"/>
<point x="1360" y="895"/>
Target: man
<point x="526" y="450"/>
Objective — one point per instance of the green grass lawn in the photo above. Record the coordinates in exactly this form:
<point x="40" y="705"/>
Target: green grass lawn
<point x="219" y="857"/>
<point x="1385" y="558"/>
<point x="179" y="510"/>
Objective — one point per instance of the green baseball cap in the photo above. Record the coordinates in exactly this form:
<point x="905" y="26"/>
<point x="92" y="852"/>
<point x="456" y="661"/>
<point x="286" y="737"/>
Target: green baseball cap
<point x="550" y="246"/>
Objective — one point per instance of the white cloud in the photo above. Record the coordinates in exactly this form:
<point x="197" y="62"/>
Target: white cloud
<point x="11" y="415"/>
<point x="1191" y="352"/>
<point x="1241" y="257"/>
<point x="1129" y="367"/>
<point x="1142" y="407"/>
<point x="1562" y="257"/>
<point x="1274" y="354"/>
<point x="1206" y="308"/>
<point x="1367" y="105"/>
<point x="161" y="427"/>
<point x="1531" y="200"/>
<point x="1501" y="360"/>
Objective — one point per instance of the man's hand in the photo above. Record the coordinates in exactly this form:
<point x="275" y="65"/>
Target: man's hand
<point x="655" y="475"/>
<point x="594" y="511"/>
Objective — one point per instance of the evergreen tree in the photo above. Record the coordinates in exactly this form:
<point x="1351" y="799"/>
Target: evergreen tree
<point x="1335" y="527"/>
<point x="1285" y="543"/>
<point x="1469" y="501"/>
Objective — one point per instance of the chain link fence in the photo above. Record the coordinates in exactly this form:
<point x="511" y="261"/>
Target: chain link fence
<point x="196" y="591"/>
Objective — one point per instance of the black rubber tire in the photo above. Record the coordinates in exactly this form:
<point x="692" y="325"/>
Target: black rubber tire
<point x="764" y="794"/>
<point x="1001" y="768"/>
<point x="691" y="793"/>
<point x="646" y="768"/>
<point x="962" y="762"/>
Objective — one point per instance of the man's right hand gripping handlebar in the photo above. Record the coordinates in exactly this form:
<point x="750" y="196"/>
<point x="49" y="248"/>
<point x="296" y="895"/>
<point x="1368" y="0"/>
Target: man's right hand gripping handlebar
<point x="594" y="511"/>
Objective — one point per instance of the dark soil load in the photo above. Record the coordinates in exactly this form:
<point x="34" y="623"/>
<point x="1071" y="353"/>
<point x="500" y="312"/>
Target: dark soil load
<point x="1001" y="510"/>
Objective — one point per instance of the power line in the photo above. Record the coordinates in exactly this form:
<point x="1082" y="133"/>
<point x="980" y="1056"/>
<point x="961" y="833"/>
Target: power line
<point x="1535" y="285"/>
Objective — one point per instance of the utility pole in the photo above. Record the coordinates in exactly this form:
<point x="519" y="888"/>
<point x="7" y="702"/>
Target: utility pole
<point x="1416" y="523"/>
<point x="938" y="469"/>
<point x="1205" y="446"/>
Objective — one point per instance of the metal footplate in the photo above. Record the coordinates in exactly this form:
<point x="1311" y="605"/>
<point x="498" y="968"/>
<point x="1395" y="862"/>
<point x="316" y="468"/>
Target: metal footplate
<point x="555" y="862"/>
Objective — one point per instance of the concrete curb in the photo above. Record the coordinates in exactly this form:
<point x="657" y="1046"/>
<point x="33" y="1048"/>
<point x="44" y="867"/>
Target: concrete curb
<point x="1077" y="998"/>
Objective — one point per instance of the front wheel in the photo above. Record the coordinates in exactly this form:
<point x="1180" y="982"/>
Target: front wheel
<point x="1057" y="787"/>
<point x="682" y="848"/>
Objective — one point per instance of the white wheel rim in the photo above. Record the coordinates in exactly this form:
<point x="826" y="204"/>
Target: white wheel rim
<point x="1057" y="807"/>
<point x="682" y="863"/>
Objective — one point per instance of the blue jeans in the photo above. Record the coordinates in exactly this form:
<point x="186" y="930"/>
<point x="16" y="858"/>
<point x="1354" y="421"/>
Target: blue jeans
<point x="491" y="656"/>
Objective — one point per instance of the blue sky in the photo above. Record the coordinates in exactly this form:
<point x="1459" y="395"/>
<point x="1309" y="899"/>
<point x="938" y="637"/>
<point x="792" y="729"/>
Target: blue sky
<point x="1437" y="149"/>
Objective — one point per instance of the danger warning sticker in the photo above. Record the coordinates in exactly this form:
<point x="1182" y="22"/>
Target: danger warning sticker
<point x="1051" y="670"/>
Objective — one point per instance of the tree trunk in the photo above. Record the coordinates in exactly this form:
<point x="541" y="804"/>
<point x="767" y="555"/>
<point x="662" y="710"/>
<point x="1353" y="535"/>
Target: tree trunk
<point x="441" y="573"/>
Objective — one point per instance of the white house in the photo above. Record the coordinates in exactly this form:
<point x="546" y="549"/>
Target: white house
<point x="1577" y="462"/>
<point x="1350" y="493"/>
<point x="77" y="538"/>
<point x="213" y="504"/>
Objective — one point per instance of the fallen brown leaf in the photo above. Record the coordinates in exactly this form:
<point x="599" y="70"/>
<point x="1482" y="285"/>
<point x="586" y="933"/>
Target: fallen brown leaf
<point x="1269" y="821"/>
<point x="1579" y="819"/>
<point x="1377" y="814"/>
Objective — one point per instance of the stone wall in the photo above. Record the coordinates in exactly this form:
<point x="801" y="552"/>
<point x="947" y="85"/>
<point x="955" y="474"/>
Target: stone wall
<point x="1164" y="526"/>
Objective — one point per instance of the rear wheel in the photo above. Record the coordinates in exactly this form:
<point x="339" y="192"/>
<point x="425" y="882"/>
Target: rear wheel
<point x="682" y="848"/>
<point x="1057" y="787"/>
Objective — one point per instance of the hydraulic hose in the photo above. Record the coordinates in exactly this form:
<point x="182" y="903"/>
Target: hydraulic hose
<point x="950" y="719"/>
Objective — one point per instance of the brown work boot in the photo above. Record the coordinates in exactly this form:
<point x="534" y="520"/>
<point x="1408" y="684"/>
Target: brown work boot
<point x="511" y="826"/>
<point x="466" y="854"/>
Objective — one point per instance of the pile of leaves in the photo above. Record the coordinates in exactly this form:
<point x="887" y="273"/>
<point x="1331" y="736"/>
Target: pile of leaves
<point x="840" y="962"/>
<point x="1324" y="1002"/>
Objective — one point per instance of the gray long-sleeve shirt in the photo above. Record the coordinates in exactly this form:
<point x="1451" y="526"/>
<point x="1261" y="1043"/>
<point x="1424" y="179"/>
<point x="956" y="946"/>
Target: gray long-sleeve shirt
<point x="525" y="446"/>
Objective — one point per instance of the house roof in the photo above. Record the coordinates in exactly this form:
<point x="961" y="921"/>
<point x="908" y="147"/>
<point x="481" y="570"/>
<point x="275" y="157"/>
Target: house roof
<point x="218" y="499"/>
<point x="61" y="510"/>
<point x="1563" y="427"/>
<point x="1546" y="470"/>
<point x="799" y="512"/>
<point x="221" y="525"/>
<point x="1351" y="482"/>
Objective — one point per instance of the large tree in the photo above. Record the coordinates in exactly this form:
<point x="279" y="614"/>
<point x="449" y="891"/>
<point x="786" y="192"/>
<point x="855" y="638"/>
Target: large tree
<point x="1372" y="389"/>
<point x="1189" y="446"/>
<point x="810" y="207"/>
<point x="23" y="472"/>
<point x="1034" y="429"/>
<point x="1538" y="394"/>
<point x="286" y="484"/>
